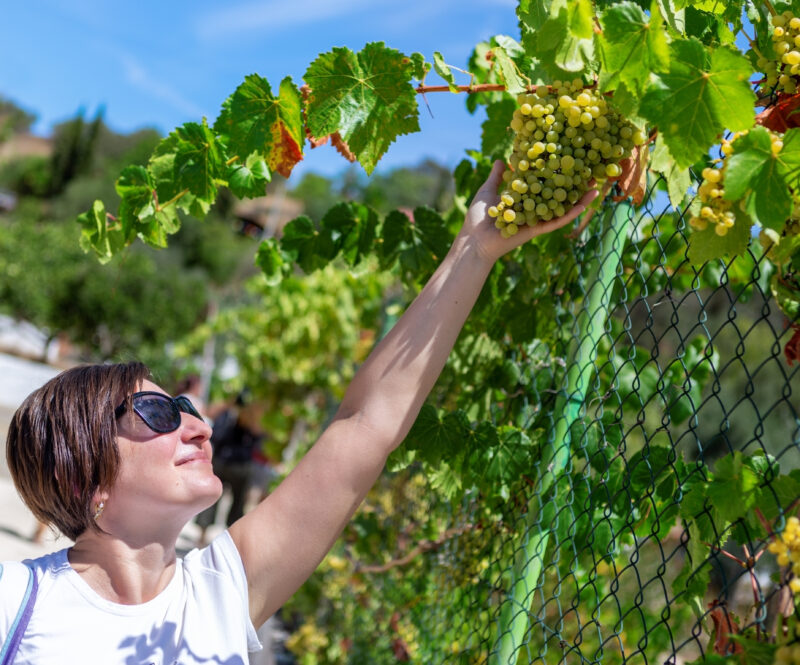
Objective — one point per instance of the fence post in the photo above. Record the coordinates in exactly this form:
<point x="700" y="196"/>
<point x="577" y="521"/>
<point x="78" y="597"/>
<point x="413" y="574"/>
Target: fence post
<point x="514" y="619"/>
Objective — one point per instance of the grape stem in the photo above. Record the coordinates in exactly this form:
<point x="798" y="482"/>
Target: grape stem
<point x="481" y="87"/>
<point x="753" y="44"/>
<point x="769" y="7"/>
<point x="161" y="206"/>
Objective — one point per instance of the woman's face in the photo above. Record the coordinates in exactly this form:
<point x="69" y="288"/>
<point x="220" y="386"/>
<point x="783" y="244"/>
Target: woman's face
<point x="164" y="478"/>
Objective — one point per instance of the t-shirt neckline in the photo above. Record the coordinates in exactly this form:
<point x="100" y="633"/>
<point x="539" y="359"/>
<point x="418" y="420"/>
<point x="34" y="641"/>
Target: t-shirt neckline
<point x="62" y="564"/>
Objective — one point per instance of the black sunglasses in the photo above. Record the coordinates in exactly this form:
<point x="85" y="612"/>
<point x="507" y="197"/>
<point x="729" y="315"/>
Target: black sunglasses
<point x="160" y="412"/>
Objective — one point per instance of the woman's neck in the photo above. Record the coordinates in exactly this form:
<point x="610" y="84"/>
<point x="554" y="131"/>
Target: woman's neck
<point x="121" y="571"/>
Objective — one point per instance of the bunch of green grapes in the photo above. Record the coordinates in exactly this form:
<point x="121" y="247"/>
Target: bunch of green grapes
<point x="714" y="208"/>
<point x="565" y="136"/>
<point x="786" y="42"/>
<point x="786" y="548"/>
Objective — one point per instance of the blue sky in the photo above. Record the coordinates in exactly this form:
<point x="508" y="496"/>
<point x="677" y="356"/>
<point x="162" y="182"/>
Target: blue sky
<point x="160" y="64"/>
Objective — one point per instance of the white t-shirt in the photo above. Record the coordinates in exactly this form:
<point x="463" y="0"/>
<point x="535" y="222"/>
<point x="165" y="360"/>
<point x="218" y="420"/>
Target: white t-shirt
<point x="201" y="616"/>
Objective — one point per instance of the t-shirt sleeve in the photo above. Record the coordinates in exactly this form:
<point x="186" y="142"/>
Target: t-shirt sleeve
<point x="14" y="580"/>
<point x="221" y="555"/>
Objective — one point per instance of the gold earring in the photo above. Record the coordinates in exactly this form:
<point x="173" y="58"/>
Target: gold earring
<point x="99" y="510"/>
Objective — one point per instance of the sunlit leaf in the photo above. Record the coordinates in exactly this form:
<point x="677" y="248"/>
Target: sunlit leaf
<point x="367" y="97"/>
<point x="703" y="93"/>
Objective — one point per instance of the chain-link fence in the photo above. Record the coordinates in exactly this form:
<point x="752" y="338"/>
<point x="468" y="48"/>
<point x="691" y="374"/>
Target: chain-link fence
<point x="663" y="472"/>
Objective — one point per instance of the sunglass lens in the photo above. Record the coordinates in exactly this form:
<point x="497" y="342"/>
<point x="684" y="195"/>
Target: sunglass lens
<point x="157" y="412"/>
<point x="184" y="404"/>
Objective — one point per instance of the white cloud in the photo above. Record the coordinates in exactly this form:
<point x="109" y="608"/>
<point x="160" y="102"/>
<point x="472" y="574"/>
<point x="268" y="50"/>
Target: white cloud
<point x="273" y="15"/>
<point x="140" y="78"/>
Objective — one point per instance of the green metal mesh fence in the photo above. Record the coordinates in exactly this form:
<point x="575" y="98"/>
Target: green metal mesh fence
<point x="679" y="375"/>
<point x="618" y="548"/>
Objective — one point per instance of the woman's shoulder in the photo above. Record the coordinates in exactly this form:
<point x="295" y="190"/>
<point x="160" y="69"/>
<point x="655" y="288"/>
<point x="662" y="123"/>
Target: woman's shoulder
<point x="15" y="573"/>
<point x="16" y="582"/>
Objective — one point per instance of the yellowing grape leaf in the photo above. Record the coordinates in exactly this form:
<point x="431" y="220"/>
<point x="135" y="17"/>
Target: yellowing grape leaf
<point x="260" y="122"/>
<point x="703" y="93"/>
<point x="632" y="45"/>
<point x="367" y="97"/>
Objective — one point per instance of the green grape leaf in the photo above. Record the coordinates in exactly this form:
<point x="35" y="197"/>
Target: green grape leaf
<point x="198" y="159"/>
<point x="732" y="477"/>
<point x="675" y="18"/>
<point x="554" y="42"/>
<point x="648" y="467"/>
<point x="781" y="493"/>
<point x="789" y="158"/>
<point x="691" y="585"/>
<point x="272" y="262"/>
<point x="754" y="652"/>
<point x="420" y="66"/>
<point x="632" y="45"/>
<point x="135" y="187"/>
<point x="139" y="213"/>
<point x="311" y="249"/>
<point x="678" y="180"/>
<point x="268" y="125"/>
<point x="250" y="179"/>
<point x="443" y="70"/>
<point x="581" y="19"/>
<point x="786" y="295"/>
<point x="224" y="121"/>
<point x="707" y="245"/>
<point x="417" y="245"/>
<point x="510" y="45"/>
<point x="437" y="435"/>
<point x="532" y="14"/>
<point x="702" y="94"/>
<point x="497" y="139"/>
<point x="709" y="21"/>
<point x="97" y="235"/>
<point x="169" y="197"/>
<point x="367" y="97"/>
<point x="509" y="72"/>
<point x="753" y="171"/>
<point x="352" y="227"/>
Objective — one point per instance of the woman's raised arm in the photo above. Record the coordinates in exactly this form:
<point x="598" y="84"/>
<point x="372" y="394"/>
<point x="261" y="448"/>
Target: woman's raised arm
<point x="283" y="539"/>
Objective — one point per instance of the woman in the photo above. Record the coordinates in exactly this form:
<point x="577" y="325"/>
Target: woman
<point x="103" y="454"/>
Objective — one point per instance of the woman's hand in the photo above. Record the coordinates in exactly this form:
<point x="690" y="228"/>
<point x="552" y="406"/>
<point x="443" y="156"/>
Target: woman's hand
<point x="481" y="229"/>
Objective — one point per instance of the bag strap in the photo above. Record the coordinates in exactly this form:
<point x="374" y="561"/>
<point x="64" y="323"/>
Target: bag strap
<point x="9" y="650"/>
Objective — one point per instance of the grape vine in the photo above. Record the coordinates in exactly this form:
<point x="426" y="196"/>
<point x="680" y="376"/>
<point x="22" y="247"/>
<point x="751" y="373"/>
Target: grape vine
<point x="602" y="90"/>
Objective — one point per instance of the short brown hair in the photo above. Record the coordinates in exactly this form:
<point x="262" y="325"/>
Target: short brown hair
<point x="62" y="442"/>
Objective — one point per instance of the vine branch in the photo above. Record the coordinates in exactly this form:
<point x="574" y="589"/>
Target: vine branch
<point x="420" y="548"/>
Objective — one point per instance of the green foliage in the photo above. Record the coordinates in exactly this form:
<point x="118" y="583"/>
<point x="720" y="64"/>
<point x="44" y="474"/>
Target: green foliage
<point x="566" y="445"/>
